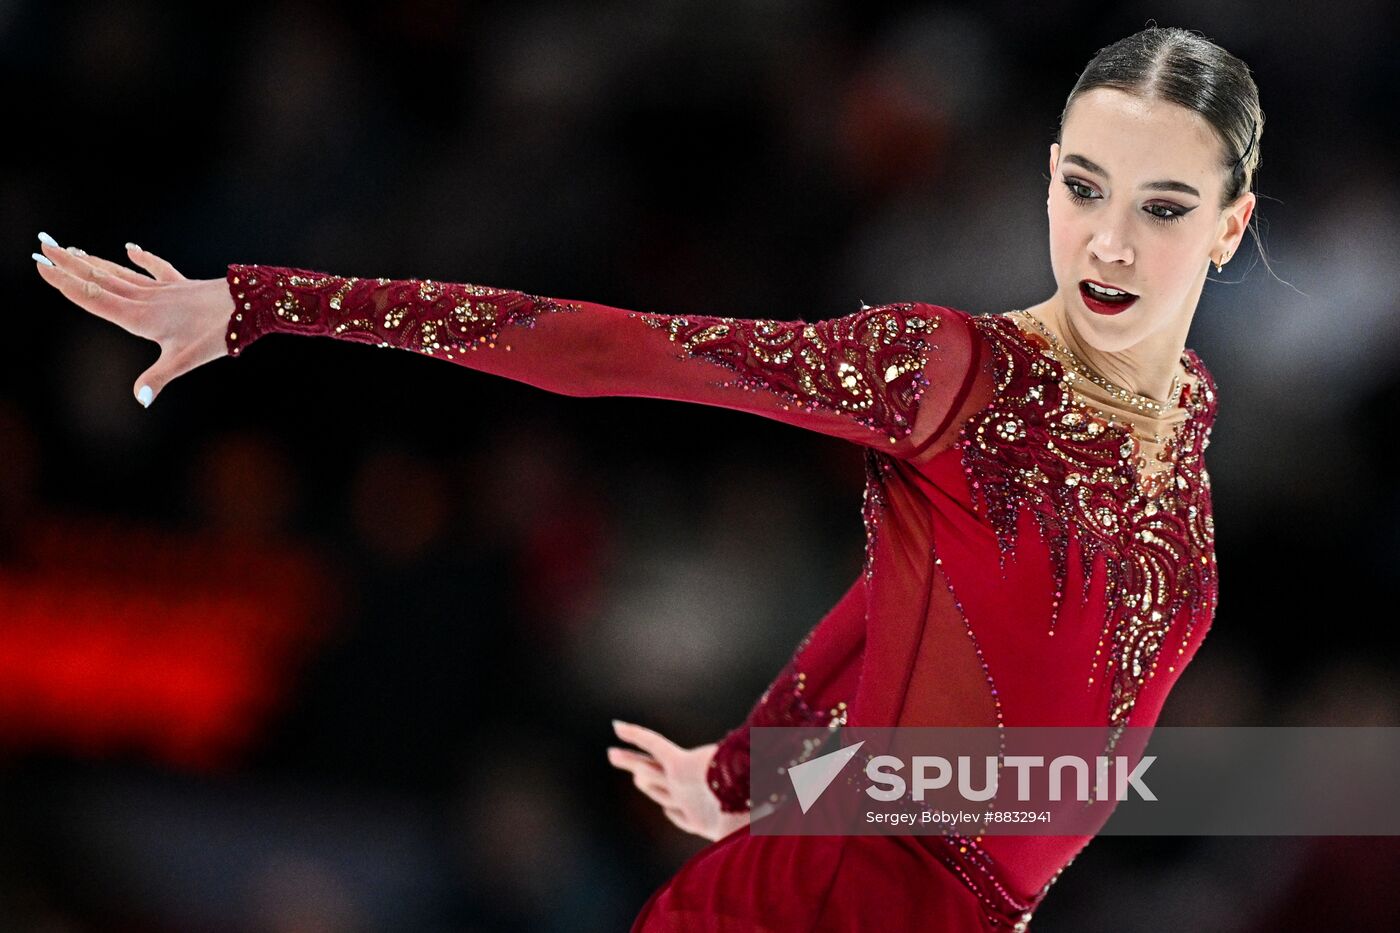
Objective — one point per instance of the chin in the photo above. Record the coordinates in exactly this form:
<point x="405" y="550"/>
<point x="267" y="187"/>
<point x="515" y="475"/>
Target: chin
<point x="1108" y="333"/>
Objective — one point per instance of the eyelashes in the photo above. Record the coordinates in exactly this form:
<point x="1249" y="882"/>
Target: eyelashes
<point x="1172" y="218"/>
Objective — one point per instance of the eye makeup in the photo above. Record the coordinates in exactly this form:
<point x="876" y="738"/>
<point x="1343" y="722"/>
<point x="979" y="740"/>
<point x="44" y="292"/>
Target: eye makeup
<point x="1177" y="212"/>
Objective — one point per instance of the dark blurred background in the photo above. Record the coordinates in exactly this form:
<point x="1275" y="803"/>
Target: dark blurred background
<point x="329" y="638"/>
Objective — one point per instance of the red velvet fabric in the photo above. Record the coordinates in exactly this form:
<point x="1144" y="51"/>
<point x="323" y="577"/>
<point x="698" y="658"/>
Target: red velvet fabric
<point x="1020" y="569"/>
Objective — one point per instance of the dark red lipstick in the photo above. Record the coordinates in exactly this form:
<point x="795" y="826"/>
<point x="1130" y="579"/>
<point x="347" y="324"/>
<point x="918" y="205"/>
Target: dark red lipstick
<point x="1101" y="304"/>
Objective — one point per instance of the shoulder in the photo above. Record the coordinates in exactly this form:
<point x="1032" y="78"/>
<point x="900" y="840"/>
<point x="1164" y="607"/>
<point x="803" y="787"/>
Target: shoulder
<point x="944" y="313"/>
<point x="995" y="336"/>
<point x="948" y="320"/>
<point x="986" y="324"/>
<point x="906" y="323"/>
<point x="952" y="330"/>
<point x="978" y="340"/>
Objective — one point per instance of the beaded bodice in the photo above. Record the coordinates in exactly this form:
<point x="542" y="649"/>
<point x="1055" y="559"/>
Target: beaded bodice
<point x="1043" y="446"/>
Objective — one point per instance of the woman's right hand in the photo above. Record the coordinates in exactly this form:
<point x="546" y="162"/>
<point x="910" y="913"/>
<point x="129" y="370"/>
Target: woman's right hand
<point x="674" y="777"/>
<point x="186" y="317"/>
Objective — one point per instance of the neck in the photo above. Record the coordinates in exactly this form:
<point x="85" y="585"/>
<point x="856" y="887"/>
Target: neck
<point x="1147" y="368"/>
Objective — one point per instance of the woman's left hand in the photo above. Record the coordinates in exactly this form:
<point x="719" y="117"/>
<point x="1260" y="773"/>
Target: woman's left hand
<point x="186" y="317"/>
<point x="674" y="777"/>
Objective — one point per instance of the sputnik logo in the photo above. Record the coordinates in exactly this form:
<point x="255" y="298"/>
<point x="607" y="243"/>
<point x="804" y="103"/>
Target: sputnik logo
<point x="811" y="778"/>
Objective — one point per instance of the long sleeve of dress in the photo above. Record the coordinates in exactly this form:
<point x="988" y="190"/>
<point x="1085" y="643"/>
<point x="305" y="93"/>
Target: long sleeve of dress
<point x="876" y="376"/>
<point x="813" y="688"/>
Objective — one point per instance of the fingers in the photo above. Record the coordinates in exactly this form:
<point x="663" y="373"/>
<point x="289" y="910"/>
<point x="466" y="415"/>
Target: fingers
<point x="87" y="293"/>
<point x="122" y="272"/>
<point x="647" y="773"/>
<point x="162" y="270"/>
<point x="657" y="744"/>
<point x="149" y="383"/>
<point x="658" y="791"/>
<point x="80" y="267"/>
<point x="632" y="761"/>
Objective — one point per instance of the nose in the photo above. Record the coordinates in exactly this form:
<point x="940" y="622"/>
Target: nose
<point x="1109" y="246"/>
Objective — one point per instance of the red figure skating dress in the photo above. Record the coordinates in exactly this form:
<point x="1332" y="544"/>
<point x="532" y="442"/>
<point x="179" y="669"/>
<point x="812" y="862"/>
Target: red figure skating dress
<point x="1039" y="549"/>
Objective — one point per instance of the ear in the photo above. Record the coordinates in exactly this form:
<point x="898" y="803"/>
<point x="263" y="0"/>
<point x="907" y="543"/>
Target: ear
<point x="1234" y="223"/>
<point x="1054" y="161"/>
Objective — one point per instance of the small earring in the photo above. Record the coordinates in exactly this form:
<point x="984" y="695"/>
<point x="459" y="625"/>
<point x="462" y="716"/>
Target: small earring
<point x="1219" y="265"/>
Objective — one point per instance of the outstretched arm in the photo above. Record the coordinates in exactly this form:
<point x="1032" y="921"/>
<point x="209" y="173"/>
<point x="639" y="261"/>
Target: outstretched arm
<point x="890" y="377"/>
<point x="812" y="689"/>
<point x="886" y="376"/>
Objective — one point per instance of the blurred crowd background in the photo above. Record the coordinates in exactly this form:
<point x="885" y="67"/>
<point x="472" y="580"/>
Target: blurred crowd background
<point x="329" y="638"/>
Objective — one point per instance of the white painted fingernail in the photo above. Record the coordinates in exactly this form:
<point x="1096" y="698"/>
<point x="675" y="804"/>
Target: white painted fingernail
<point x="144" y="396"/>
<point x="46" y="239"/>
<point x="40" y="257"/>
<point x="133" y="247"/>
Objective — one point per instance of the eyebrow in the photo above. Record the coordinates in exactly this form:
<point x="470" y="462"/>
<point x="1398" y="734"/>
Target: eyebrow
<point x="1181" y="186"/>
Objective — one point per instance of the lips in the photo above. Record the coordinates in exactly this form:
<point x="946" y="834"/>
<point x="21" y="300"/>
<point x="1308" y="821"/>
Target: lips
<point x="1116" y="288"/>
<point x="1100" y="305"/>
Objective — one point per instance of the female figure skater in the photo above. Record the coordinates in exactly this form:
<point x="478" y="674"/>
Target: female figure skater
<point x="1067" y="435"/>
